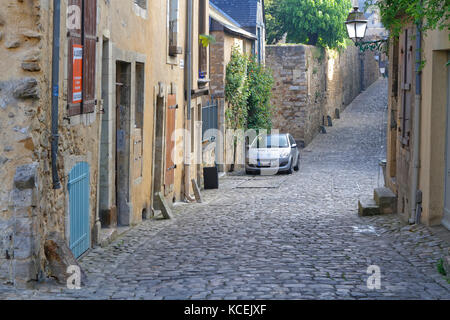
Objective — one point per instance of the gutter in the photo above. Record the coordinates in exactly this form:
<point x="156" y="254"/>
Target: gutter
<point x="414" y="218"/>
<point x="55" y="91"/>
<point x="187" y="132"/>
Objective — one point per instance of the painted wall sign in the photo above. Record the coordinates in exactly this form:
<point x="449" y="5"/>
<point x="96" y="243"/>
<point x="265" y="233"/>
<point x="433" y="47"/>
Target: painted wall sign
<point x="77" y="73"/>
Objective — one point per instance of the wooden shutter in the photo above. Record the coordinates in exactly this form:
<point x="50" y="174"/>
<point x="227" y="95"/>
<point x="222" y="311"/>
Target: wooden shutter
<point x="90" y="43"/>
<point x="73" y="38"/>
<point x="170" y="144"/>
<point x="406" y="86"/>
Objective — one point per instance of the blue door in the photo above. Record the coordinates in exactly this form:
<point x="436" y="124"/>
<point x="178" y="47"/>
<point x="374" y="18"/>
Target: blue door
<point x="79" y="209"/>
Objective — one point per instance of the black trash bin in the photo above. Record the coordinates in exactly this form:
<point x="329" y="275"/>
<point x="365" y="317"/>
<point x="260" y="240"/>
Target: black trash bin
<point x="211" y="178"/>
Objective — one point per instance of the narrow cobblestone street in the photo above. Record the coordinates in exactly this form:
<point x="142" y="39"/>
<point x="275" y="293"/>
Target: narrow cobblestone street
<point x="281" y="237"/>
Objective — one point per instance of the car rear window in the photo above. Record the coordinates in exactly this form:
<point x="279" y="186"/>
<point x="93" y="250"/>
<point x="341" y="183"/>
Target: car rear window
<point x="272" y="141"/>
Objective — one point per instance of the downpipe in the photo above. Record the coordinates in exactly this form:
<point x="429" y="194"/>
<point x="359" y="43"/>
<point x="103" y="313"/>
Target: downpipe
<point x="187" y="137"/>
<point x="55" y="91"/>
<point x="415" y="210"/>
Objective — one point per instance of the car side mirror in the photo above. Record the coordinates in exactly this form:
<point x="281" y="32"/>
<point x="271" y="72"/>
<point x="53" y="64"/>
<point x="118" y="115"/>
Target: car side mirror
<point x="294" y="146"/>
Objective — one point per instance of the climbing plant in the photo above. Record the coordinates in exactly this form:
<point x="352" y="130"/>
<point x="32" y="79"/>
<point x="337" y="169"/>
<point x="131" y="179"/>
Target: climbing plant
<point x="431" y="14"/>
<point x="236" y="94"/>
<point x="236" y="90"/>
<point x="260" y="82"/>
<point x="206" y="39"/>
<point x="248" y="89"/>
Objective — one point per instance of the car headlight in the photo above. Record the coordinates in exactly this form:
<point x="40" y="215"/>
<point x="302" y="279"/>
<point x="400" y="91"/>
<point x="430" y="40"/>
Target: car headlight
<point x="285" y="153"/>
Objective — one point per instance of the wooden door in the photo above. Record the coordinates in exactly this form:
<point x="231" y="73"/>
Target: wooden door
<point x="79" y="195"/>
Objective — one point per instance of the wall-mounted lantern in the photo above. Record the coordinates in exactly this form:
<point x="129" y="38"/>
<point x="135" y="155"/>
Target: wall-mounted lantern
<point x="357" y="27"/>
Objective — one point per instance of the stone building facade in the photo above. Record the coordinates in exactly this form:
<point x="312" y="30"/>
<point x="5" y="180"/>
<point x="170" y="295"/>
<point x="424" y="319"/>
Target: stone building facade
<point x="312" y="84"/>
<point x="228" y="34"/>
<point x="113" y="166"/>
<point x="419" y="121"/>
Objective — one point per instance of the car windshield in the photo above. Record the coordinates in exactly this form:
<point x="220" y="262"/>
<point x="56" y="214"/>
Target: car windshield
<point x="270" y="142"/>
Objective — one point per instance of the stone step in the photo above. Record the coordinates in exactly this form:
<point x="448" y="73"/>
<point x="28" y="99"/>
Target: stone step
<point x="386" y="200"/>
<point x="368" y="207"/>
<point x="107" y="236"/>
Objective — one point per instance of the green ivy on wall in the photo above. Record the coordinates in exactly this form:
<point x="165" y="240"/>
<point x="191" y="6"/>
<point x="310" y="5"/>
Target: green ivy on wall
<point x="431" y="14"/>
<point x="248" y="89"/>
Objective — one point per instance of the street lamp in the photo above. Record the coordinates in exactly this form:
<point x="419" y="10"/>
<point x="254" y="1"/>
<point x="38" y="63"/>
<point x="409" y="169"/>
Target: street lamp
<point x="356" y="25"/>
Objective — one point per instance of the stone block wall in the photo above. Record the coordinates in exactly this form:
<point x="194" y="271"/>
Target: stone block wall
<point x="311" y="84"/>
<point x="29" y="207"/>
<point x="23" y="59"/>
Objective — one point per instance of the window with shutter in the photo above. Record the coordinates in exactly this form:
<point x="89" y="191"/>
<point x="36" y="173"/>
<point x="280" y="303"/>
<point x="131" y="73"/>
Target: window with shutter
<point x="74" y="39"/>
<point x="82" y="40"/>
<point x="89" y="59"/>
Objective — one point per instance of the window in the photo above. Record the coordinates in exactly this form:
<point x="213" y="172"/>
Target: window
<point x="291" y="140"/>
<point x="203" y="52"/>
<point x="271" y="141"/>
<point x="82" y="60"/>
<point x="174" y="49"/>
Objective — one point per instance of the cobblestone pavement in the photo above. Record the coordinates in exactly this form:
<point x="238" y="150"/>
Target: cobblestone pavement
<point x="292" y="237"/>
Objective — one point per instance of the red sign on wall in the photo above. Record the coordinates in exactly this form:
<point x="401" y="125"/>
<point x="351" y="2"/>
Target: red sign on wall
<point x="77" y="73"/>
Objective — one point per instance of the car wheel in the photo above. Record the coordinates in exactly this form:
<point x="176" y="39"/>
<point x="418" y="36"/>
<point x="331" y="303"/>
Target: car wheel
<point x="249" y="173"/>
<point x="297" y="167"/>
<point x="290" y="171"/>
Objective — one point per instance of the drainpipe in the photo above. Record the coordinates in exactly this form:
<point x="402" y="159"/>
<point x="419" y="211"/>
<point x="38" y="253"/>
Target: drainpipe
<point x="187" y="142"/>
<point x="416" y="127"/>
<point x="55" y="90"/>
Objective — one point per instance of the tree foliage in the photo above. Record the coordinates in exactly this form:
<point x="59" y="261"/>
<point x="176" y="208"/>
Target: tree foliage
<point x="236" y="90"/>
<point x="314" y="22"/>
<point x="248" y="89"/>
<point x="260" y="82"/>
<point x="431" y="14"/>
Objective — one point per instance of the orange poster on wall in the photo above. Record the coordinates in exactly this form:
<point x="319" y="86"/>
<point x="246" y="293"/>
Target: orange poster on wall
<point x="77" y="73"/>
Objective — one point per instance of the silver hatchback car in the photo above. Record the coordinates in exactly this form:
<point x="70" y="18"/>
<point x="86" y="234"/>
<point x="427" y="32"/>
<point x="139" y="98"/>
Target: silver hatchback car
<point x="272" y="154"/>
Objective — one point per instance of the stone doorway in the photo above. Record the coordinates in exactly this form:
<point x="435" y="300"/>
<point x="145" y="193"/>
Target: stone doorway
<point x="107" y="207"/>
<point x="123" y="106"/>
<point x="158" y="150"/>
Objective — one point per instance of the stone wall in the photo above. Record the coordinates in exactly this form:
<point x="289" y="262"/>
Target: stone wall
<point x="30" y="208"/>
<point x="23" y="104"/>
<point x="312" y="84"/>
